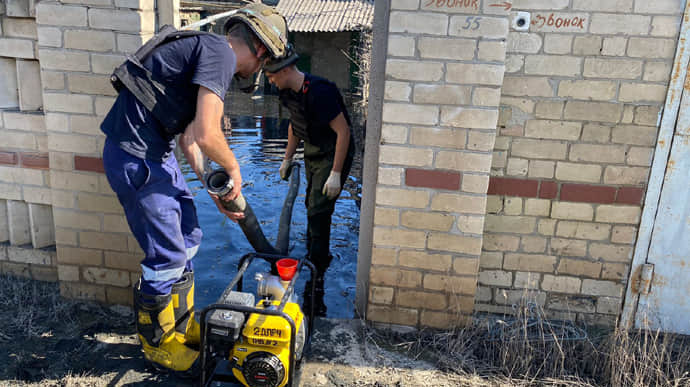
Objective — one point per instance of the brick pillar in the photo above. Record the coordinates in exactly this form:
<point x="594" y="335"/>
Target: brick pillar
<point x="444" y="72"/>
<point x="79" y="43"/>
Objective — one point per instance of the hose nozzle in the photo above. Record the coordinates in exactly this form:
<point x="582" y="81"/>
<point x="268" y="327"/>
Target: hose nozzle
<point x="218" y="182"/>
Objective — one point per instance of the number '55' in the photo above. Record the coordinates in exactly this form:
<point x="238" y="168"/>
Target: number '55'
<point x="471" y="23"/>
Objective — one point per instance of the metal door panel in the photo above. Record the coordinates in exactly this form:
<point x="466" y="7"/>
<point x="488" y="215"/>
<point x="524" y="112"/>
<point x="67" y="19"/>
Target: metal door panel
<point x="656" y="289"/>
<point x="683" y="123"/>
<point x="667" y="305"/>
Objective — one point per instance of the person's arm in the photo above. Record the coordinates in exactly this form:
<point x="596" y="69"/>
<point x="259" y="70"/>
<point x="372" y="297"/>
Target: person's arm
<point x="332" y="186"/>
<point x="193" y="154"/>
<point x="290" y="150"/>
<point x="292" y="143"/>
<point x="342" y="130"/>
<point x="205" y="136"/>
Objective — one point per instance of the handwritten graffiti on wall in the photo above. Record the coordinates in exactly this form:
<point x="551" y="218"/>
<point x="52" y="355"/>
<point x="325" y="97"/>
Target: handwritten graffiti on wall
<point x="471" y="23"/>
<point x="471" y="4"/>
<point x="558" y="22"/>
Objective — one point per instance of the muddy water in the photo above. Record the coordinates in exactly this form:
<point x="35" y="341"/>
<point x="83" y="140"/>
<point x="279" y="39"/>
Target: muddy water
<point x="259" y="145"/>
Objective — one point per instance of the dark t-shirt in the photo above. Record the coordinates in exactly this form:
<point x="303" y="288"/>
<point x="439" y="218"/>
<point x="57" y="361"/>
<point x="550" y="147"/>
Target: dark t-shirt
<point x="321" y="101"/>
<point x="204" y="60"/>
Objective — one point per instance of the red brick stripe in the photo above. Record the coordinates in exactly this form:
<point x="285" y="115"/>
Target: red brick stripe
<point x="34" y="160"/>
<point x="588" y="193"/>
<point x="568" y="192"/>
<point x="432" y="179"/>
<point x="91" y="164"/>
<point x="513" y="187"/>
<point x="630" y="195"/>
<point x="505" y="186"/>
<point x="548" y="190"/>
<point x="8" y="158"/>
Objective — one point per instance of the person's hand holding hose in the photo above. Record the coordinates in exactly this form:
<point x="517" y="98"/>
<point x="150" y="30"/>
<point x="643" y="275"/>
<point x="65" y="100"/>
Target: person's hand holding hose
<point x="284" y="169"/>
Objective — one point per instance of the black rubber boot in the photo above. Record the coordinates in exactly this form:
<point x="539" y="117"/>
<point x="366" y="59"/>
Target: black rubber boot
<point x="317" y="301"/>
<point x="321" y="264"/>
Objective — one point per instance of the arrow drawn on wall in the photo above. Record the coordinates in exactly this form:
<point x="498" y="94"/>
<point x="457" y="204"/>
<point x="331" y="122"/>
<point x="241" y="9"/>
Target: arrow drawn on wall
<point x="504" y="4"/>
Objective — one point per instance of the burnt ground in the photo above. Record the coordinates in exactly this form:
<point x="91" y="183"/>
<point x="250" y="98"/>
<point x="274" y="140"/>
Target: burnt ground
<point x="48" y="341"/>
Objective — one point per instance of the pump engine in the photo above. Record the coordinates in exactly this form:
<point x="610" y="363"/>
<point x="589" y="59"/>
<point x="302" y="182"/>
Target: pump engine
<point x="255" y="343"/>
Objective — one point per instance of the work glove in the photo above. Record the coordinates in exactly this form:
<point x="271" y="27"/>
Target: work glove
<point x="285" y="168"/>
<point x="332" y="187"/>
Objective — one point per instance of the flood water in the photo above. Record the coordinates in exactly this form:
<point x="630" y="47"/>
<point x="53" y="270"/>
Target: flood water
<point x="259" y="145"/>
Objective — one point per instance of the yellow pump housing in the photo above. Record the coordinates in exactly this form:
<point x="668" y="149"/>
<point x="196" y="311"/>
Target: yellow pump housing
<point x="263" y="351"/>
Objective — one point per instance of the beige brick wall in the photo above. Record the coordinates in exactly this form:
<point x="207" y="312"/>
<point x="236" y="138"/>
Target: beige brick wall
<point x="27" y="233"/>
<point x="59" y="220"/>
<point x="577" y="130"/>
<point x="79" y="44"/>
<point x="444" y="70"/>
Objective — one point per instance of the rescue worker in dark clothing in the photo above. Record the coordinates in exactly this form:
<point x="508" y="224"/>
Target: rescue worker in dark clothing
<point x="318" y="117"/>
<point x="192" y="71"/>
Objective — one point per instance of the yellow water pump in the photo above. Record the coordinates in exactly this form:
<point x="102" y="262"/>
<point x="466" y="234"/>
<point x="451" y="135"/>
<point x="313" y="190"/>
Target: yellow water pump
<point x="255" y="344"/>
<point x="262" y="355"/>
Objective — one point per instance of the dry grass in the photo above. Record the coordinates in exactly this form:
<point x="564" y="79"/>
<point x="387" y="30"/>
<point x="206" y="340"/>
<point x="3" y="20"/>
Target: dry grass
<point x="523" y="351"/>
<point x="31" y="304"/>
<point x="70" y="380"/>
<point x="49" y="341"/>
<point x="512" y="351"/>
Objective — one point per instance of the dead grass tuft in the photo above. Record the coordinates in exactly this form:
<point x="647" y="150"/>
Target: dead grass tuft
<point x="527" y="351"/>
<point x="33" y="303"/>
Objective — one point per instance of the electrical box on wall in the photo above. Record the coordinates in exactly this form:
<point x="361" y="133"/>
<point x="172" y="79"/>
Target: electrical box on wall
<point x="521" y="21"/>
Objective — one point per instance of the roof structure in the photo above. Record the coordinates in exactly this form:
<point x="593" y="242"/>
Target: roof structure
<point x="327" y="15"/>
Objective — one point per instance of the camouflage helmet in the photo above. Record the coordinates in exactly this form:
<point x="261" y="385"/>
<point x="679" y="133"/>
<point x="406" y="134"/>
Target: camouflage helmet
<point x="266" y="23"/>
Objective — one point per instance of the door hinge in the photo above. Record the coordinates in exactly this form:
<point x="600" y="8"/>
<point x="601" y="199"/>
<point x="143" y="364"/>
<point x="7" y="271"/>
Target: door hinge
<point x="646" y="276"/>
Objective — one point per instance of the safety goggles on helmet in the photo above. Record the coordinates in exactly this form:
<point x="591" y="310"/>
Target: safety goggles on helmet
<point x="266" y="23"/>
<point x="273" y="65"/>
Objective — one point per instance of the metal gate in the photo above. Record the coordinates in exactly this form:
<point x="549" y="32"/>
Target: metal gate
<point x="658" y="294"/>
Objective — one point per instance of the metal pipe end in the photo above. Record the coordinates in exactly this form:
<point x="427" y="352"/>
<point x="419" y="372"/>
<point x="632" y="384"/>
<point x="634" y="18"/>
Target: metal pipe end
<point x="219" y="183"/>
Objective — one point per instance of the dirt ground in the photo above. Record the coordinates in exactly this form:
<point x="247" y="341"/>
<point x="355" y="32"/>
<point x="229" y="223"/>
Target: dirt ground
<point x="46" y="341"/>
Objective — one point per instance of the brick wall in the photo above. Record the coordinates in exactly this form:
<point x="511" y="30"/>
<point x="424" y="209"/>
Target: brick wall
<point x="444" y="70"/>
<point x="79" y="43"/>
<point x="58" y="217"/>
<point x="577" y="130"/>
<point x="511" y="166"/>
<point x="27" y="235"/>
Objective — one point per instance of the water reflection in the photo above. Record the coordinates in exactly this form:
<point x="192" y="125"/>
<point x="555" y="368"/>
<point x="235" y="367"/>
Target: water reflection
<point x="259" y="144"/>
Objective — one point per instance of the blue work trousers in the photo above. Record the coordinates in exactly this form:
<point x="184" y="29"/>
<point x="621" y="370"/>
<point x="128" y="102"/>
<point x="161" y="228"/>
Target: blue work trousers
<point x="160" y="212"/>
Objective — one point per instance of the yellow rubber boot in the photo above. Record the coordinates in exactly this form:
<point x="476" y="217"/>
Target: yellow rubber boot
<point x="155" y="321"/>
<point x="188" y="331"/>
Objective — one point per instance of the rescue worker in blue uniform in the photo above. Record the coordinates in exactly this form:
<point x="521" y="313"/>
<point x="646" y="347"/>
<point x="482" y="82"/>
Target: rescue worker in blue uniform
<point x="319" y="118"/>
<point x="178" y="87"/>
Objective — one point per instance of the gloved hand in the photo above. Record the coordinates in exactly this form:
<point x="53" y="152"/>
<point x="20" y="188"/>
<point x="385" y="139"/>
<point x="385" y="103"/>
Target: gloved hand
<point x="285" y="168"/>
<point x="332" y="186"/>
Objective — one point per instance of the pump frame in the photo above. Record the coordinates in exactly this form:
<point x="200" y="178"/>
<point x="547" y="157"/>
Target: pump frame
<point x="237" y="281"/>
